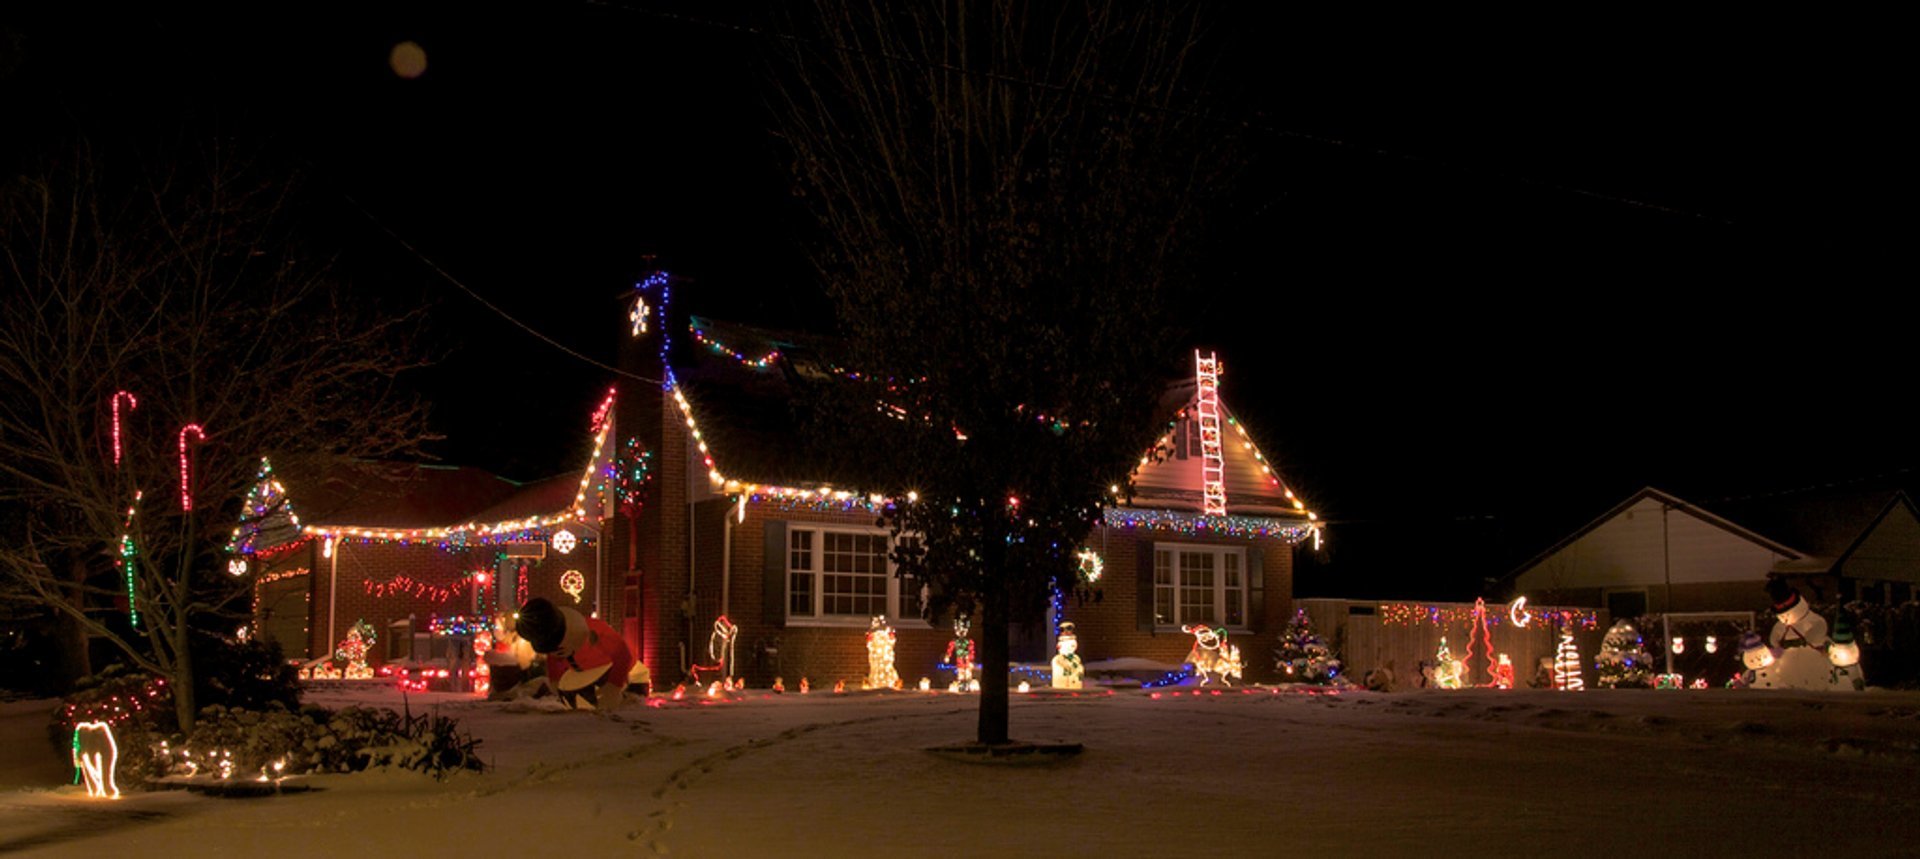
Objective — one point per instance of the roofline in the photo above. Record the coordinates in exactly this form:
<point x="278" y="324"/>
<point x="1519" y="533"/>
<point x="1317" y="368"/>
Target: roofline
<point x="1672" y="502"/>
<point x="1899" y="498"/>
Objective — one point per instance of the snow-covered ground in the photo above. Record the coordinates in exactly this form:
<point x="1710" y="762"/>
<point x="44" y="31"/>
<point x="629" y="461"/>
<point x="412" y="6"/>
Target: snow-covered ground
<point x="1254" y="773"/>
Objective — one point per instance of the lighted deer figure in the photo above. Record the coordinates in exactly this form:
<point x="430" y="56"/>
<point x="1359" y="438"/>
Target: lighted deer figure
<point x="95" y="754"/>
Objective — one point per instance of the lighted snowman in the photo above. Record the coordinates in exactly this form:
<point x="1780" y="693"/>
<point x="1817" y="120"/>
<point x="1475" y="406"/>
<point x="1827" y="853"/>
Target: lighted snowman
<point x="1068" y="670"/>
<point x="1845" y="656"/>
<point x="1797" y="641"/>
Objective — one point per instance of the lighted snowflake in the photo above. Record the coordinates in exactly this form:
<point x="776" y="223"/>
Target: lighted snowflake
<point x="638" y="315"/>
<point x="564" y="541"/>
<point x="573" y="583"/>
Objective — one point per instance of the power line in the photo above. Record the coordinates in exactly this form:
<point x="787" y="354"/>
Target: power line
<point x="448" y="276"/>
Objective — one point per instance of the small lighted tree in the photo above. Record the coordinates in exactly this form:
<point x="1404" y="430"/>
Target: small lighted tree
<point x="881" y="673"/>
<point x="1623" y="662"/>
<point x="1303" y="655"/>
<point x="1566" y="665"/>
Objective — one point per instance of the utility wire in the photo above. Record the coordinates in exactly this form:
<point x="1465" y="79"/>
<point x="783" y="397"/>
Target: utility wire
<point x="448" y="276"/>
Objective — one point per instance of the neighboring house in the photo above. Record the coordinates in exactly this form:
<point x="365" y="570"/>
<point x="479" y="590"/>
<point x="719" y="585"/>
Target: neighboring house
<point x="1655" y="552"/>
<point x="746" y="520"/>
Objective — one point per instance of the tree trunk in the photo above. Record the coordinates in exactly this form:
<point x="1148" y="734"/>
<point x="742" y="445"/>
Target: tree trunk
<point x="72" y="661"/>
<point x="993" y="667"/>
<point x="184" y="706"/>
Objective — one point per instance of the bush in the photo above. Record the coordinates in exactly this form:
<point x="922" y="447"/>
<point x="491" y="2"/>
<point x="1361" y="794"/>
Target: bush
<point x="275" y="741"/>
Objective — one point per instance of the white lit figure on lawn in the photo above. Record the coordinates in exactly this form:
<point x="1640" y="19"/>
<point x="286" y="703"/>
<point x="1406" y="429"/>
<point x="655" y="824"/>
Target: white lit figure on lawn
<point x="1447" y="671"/>
<point x="95" y="755"/>
<point x="1799" y="641"/>
<point x="1211" y="654"/>
<point x="880" y="671"/>
<point x="960" y="655"/>
<point x="1845" y="656"/>
<point x="1068" y="670"/>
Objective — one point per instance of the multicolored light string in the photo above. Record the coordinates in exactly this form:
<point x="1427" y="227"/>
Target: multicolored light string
<point x="186" y="464"/>
<point x="760" y="363"/>
<point x="1194" y="524"/>
<point x="132" y="403"/>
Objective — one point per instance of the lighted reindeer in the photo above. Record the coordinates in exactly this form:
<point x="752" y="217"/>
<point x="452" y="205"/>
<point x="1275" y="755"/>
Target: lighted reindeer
<point x="1211" y="654"/>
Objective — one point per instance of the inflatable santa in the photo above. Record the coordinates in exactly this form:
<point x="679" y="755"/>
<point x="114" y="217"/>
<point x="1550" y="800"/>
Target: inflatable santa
<point x="588" y="663"/>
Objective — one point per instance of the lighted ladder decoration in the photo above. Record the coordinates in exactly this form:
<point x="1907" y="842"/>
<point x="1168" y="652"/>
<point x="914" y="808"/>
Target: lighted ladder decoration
<point x="1213" y="467"/>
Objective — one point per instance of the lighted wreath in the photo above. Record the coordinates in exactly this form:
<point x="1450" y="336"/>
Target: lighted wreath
<point x="573" y="583"/>
<point x="1091" y="567"/>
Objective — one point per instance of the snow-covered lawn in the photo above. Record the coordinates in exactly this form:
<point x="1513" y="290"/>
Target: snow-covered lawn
<point x="1257" y="773"/>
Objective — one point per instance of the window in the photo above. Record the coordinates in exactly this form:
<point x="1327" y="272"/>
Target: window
<point x="1199" y="584"/>
<point x="844" y="576"/>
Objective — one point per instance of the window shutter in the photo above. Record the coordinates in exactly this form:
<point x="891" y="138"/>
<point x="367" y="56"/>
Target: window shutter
<point x="1256" y="588"/>
<point x="773" y="596"/>
<point x="1143" y="620"/>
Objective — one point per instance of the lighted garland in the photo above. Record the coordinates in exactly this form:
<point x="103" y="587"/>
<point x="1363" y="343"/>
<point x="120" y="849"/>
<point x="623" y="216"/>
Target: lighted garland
<point x="404" y="585"/>
<point x="460" y="624"/>
<point x="1410" y="614"/>
<point x="1195" y="525"/>
<point x="1091" y="566"/>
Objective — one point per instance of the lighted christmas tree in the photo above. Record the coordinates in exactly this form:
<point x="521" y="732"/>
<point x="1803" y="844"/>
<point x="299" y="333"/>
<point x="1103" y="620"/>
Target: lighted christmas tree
<point x="1566" y="665"/>
<point x="1623" y="662"/>
<point x="1302" y="655"/>
<point x="1448" y="672"/>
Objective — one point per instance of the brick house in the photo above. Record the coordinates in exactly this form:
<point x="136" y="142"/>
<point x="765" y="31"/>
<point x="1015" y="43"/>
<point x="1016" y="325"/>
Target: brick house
<point x="737" y="524"/>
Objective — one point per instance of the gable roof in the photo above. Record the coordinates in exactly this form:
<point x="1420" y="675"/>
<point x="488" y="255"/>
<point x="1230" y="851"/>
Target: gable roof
<point x="408" y="502"/>
<point x="1670" y="500"/>
<point x="736" y="391"/>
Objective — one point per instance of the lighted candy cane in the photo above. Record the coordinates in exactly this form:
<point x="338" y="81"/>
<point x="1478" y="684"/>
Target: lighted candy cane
<point x="132" y="403"/>
<point x="186" y="493"/>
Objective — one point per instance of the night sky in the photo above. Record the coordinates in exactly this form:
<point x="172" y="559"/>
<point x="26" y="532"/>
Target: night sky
<point x="1483" y="278"/>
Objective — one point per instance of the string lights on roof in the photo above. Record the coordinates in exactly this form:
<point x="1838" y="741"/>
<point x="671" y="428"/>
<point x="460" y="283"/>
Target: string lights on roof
<point x="510" y="530"/>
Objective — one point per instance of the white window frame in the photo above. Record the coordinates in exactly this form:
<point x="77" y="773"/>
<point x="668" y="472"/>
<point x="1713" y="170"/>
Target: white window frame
<point x="816" y="555"/>
<point x="1220" y="587"/>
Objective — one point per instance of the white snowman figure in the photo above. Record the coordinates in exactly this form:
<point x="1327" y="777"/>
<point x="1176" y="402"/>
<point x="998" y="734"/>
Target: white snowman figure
<point x="1845" y="656"/>
<point x="1799" y="640"/>
<point x="1068" y="670"/>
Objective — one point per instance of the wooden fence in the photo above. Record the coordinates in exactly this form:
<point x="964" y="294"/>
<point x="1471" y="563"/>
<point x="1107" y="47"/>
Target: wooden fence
<point x="1403" y="635"/>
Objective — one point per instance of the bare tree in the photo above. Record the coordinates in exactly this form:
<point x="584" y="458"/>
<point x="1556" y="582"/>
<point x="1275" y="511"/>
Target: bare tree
<point x="1009" y="197"/>
<point x="186" y="286"/>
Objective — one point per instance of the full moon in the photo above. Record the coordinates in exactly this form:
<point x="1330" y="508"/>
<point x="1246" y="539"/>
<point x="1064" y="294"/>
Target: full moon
<point x="408" y="60"/>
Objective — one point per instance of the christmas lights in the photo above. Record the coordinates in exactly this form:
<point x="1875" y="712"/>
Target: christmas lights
<point x="1447" y="615"/>
<point x="186" y="491"/>
<point x="1069" y="672"/>
<point x="1091" y="566"/>
<point x="881" y="673"/>
<point x="95" y="755"/>
<point x="1211" y="655"/>
<point x="132" y="403"/>
<point x="960" y="654"/>
<point x="573" y="583"/>
<point x="1213" y="468"/>
<point x="1518" y="614"/>
<point x="564" y="541"/>
<point x="638" y="315"/>
<point x="1192" y="524"/>
<point x="1503" y="673"/>
<point x="1447" y="671"/>
<point x="1566" y="665"/>
<point x="1481" y="629"/>
<point x="128" y="562"/>
<point x="720" y="645"/>
<point x="407" y="586"/>
<point x="758" y="363"/>
<point x="118" y="709"/>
